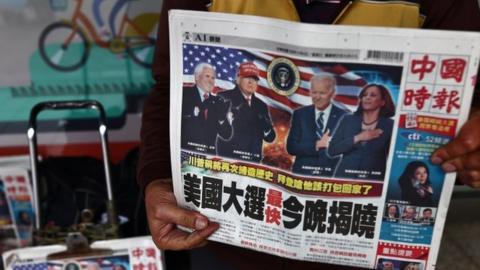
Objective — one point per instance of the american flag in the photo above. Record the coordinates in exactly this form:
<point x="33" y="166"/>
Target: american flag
<point x="226" y="62"/>
<point x="30" y="266"/>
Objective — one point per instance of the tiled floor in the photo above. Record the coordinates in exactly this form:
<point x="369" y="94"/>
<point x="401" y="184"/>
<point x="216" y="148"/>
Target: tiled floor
<point x="460" y="247"/>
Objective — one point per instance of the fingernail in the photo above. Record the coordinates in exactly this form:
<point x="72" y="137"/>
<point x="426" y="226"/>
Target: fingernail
<point x="200" y="224"/>
<point x="448" y="167"/>
<point x="436" y="160"/>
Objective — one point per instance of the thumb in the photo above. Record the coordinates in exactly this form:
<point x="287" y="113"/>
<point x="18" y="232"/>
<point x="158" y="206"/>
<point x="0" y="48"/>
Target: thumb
<point x="184" y="217"/>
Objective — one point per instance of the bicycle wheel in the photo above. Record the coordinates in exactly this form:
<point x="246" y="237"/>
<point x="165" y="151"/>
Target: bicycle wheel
<point x="141" y="50"/>
<point x="63" y="47"/>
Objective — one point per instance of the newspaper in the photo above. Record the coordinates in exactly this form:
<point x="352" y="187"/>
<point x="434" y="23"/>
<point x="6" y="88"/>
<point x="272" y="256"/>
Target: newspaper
<point x="125" y="254"/>
<point x="16" y="203"/>
<point x="306" y="172"/>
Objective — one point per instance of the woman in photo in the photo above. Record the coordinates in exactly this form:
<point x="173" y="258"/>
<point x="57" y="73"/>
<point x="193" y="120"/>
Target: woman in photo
<point x="415" y="184"/>
<point x="363" y="138"/>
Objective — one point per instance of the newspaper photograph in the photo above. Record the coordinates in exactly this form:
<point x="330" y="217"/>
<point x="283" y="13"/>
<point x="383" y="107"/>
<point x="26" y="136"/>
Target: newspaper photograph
<point x="119" y="254"/>
<point x="16" y="206"/>
<point x="312" y="142"/>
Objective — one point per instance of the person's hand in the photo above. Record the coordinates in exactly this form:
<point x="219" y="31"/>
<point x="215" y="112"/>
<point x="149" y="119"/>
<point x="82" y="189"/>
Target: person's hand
<point x="323" y="142"/>
<point x="462" y="154"/>
<point x="164" y="215"/>
<point x="367" y="135"/>
<point x="421" y="192"/>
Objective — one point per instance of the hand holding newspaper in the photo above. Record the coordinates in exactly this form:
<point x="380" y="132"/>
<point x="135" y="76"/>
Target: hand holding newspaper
<point x="384" y="98"/>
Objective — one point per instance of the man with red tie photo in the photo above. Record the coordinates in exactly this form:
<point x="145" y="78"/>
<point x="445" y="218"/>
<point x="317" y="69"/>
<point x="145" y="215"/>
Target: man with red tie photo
<point x="204" y="115"/>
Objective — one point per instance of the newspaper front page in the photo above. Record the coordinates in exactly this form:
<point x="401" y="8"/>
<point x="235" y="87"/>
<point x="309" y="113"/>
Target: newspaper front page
<point x="312" y="142"/>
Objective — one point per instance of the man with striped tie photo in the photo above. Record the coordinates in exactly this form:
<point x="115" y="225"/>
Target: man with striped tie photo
<point x="311" y="129"/>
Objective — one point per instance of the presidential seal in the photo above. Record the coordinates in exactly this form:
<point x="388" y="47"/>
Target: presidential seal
<point x="283" y="76"/>
<point x="72" y="266"/>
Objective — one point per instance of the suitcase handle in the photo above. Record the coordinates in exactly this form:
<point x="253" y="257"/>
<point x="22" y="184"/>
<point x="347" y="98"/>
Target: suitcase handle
<point x="66" y="105"/>
<point x="33" y="149"/>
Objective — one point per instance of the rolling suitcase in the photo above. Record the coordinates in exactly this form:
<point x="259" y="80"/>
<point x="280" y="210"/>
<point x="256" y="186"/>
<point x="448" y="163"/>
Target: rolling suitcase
<point x="85" y="245"/>
<point x="54" y="234"/>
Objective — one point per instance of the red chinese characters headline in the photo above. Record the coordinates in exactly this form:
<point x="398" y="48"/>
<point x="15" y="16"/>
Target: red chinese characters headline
<point x="403" y="251"/>
<point x="435" y="125"/>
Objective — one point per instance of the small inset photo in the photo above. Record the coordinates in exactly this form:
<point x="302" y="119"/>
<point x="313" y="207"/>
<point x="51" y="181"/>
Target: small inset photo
<point x="392" y="212"/>
<point x="394" y="264"/>
<point x="410" y="214"/>
<point x="427" y="216"/>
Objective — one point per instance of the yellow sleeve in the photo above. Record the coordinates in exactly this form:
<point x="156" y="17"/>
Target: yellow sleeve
<point x="379" y="13"/>
<point x="280" y="9"/>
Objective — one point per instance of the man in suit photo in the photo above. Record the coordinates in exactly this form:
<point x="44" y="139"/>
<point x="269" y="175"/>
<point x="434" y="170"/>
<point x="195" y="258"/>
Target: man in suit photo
<point x="427" y="217"/>
<point x="251" y="122"/>
<point x="311" y="129"/>
<point x="204" y="114"/>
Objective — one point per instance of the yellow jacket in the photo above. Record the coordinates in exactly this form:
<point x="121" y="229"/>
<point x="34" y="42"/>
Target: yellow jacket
<point x="358" y="12"/>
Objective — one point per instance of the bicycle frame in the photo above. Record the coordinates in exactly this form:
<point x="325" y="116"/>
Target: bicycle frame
<point x="79" y="15"/>
<point x="127" y="21"/>
<point x="132" y="39"/>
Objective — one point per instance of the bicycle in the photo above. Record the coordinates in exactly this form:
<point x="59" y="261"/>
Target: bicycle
<point x="65" y="45"/>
